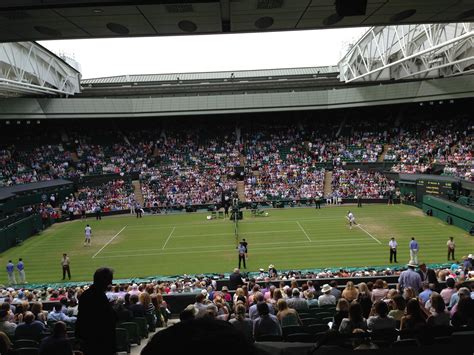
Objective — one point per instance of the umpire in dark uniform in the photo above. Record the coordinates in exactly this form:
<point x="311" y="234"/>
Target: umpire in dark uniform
<point x="242" y="250"/>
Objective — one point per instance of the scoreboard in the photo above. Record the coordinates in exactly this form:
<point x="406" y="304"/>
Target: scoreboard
<point x="433" y="187"/>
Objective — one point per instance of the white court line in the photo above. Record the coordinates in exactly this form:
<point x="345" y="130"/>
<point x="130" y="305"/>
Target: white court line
<point x="168" y="238"/>
<point x="110" y="241"/>
<point x="370" y="235"/>
<point x="302" y="229"/>
<point x="221" y="250"/>
<point x="378" y="241"/>
<point x="323" y="241"/>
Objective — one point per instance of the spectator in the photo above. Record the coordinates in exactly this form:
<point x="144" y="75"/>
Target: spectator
<point x="235" y="280"/>
<point x="57" y="343"/>
<point x="342" y="311"/>
<point x="189" y="313"/>
<point x="447" y="292"/>
<point x="266" y="323"/>
<point x="414" y="318"/>
<point x="378" y="292"/>
<point x="6" y="326"/>
<point x="409" y="278"/>
<point x="6" y="346"/>
<point x="462" y="313"/>
<point x="326" y="298"/>
<point x="438" y="316"/>
<point x="96" y="320"/>
<point x="426" y="293"/>
<point x="354" y="321"/>
<point x="253" y="310"/>
<point x="57" y="315"/>
<point x="350" y="293"/>
<point x="122" y="314"/>
<point x="138" y="310"/>
<point x="30" y="329"/>
<point x="398" y="308"/>
<point x="287" y="316"/>
<point x="380" y="319"/>
<point x="365" y="299"/>
<point x="334" y="290"/>
<point x="242" y="323"/>
<point x="297" y="303"/>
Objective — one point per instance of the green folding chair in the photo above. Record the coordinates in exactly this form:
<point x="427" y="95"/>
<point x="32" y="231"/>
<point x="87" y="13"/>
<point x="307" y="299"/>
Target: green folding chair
<point x="142" y="326"/>
<point x="132" y="331"/>
<point x="121" y="340"/>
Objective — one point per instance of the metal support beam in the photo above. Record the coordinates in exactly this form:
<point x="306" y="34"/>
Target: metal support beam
<point x="410" y="52"/>
<point x="27" y="68"/>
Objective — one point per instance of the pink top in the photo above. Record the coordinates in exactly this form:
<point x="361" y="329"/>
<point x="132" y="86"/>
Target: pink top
<point x="378" y="294"/>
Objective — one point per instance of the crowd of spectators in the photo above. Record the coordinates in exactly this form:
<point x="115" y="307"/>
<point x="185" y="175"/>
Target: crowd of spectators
<point x="274" y="155"/>
<point x="419" y="147"/>
<point x="362" y="184"/>
<point x="114" y="195"/>
<point x="261" y="306"/>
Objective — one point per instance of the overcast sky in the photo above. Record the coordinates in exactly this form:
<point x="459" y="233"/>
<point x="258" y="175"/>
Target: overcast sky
<point x="180" y="54"/>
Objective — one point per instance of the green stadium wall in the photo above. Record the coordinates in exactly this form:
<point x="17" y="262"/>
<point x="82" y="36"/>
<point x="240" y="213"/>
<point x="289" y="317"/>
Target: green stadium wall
<point x="19" y="231"/>
<point x="449" y="212"/>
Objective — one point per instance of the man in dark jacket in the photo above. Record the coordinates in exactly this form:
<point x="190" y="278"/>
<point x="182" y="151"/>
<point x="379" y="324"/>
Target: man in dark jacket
<point x="429" y="276"/>
<point x="95" y="325"/>
<point x="235" y="280"/>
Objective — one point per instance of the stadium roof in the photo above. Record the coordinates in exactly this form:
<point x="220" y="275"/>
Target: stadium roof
<point x="9" y="191"/>
<point x="25" y="20"/>
<point x="222" y="75"/>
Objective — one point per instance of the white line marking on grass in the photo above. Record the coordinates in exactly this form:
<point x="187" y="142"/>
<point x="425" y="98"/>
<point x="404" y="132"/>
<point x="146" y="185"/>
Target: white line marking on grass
<point x="217" y="251"/>
<point x="169" y="237"/>
<point x="378" y="241"/>
<point x="370" y="235"/>
<point x="110" y="241"/>
<point x="302" y="229"/>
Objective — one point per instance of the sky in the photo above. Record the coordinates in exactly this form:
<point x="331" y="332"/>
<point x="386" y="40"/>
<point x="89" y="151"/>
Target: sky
<point x="204" y="53"/>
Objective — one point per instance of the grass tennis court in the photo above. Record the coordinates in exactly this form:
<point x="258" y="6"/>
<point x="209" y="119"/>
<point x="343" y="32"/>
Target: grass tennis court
<point x="298" y="238"/>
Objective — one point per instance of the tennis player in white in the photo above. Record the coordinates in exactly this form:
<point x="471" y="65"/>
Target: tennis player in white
<point x="351" y="218"/>
<point x="88" y="234"/>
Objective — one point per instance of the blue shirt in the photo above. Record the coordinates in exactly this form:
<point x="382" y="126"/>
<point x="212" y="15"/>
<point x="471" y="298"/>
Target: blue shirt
<point x="414" y="245"/>
<point x="10" y="267"/>
<point x="410" y="278"/>
<point x="20" y="266"/>
<point x="425" y="295"/>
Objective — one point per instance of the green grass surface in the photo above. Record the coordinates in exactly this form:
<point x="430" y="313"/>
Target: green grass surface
<point x="188" y="243"/>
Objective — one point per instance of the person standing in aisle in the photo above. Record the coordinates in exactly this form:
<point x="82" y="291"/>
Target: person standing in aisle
<point x="393" y="250"/>
<point x="11" y="273"/>
<point x="20" y="266"/>
<point x="65" y="262"/>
